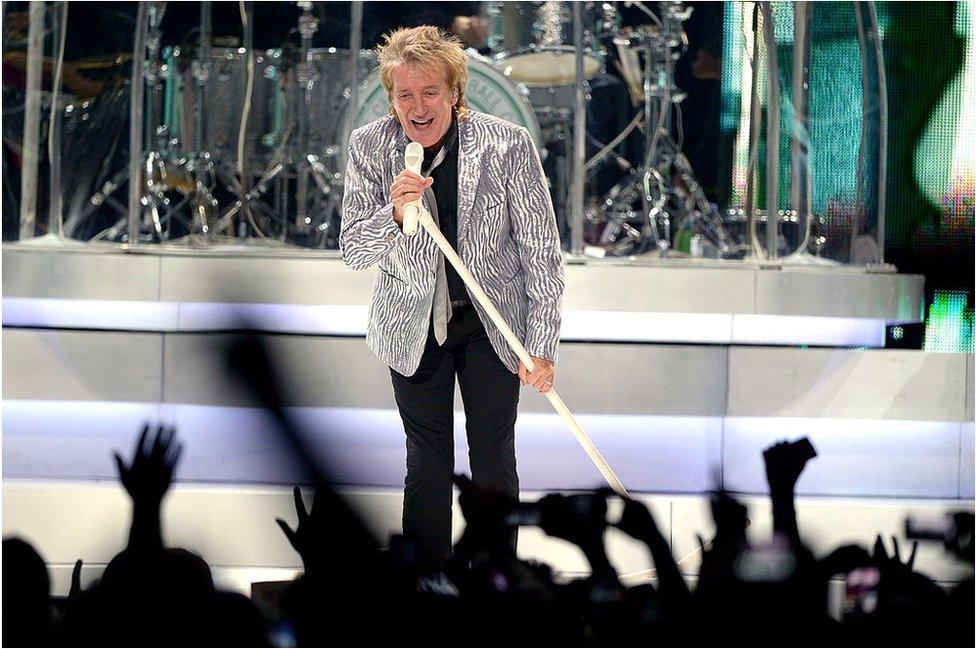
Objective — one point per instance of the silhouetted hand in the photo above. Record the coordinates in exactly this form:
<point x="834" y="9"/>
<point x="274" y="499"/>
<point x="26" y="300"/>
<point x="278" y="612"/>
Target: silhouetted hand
<point x="481" y="506"/>
<point x="730" y="518"/>
<point x="485" y="511"/>
<point x="582" y="519"/>
<point x="307" y="535"/>
<point x="881" y="558"/>
<point x="637" y="521"/>
<point x="785" y="462"/>
<point x="579" y="518"/>
<point x="961" y="542"/>
<point x="75" y="588"/>
<point x="146" y="480"/>
<point x="844" y="559"/>
<point x="148" y="477"/>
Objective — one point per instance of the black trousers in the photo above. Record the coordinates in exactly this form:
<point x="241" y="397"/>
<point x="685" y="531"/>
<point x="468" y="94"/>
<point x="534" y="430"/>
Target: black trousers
<point x="490" y="395"/>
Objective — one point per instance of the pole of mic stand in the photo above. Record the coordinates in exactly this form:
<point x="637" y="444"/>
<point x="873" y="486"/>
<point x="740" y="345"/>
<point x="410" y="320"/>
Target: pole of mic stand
<point x="800" y="181"/>
<point x="244" y="182"/>
<point x="755" y="112"/>
<point x="874" y="35"/>
<point x="202" y="200"/>
<point x="772" y="133"/>
<point x="32" y="121"/>
<point x="652" y="107"/>
<point x="474" y="288"/>
<point x="355" y="44"/>
<point x="137" y="95"/>
<point x="202" y="76"/>
<point x="56" y="196"/>
<point x="307" y="26"/>
<point x="579" y="137"/>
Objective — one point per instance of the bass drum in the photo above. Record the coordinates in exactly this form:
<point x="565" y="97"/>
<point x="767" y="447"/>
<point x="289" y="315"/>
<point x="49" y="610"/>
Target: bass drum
<point x="488" y="92"/>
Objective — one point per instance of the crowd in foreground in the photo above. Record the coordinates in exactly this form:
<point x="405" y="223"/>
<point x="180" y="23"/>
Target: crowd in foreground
<point x="356" y="591"/>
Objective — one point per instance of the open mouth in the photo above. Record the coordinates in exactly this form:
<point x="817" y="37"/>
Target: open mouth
<point x="422" y="124"/>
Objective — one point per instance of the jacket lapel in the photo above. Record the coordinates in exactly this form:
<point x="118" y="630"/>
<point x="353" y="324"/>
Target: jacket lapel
<point x="469" y="175"/>
<point x="398" y="150"/>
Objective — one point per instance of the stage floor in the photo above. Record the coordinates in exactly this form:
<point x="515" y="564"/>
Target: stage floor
<point x="681" y="370"/>
<point x="163" y="288"/>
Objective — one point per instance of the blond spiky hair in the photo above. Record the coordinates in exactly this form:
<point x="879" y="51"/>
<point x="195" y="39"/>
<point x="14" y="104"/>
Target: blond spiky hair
<point x="431" y="49"/>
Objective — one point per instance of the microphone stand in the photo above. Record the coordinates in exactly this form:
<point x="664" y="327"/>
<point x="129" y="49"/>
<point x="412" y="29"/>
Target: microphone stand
<point x="427" y="222"/>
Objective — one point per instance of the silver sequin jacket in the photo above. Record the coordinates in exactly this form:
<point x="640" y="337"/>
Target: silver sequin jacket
<point x="507" y="238"/>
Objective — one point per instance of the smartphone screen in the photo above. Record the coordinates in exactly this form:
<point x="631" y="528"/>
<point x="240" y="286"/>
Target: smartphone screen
<point x="861" y="585"/>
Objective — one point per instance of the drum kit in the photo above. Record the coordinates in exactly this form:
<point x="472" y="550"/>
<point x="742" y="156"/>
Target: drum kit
<point x="245" y="145"/>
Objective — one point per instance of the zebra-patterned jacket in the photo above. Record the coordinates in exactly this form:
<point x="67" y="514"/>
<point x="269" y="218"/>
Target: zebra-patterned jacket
<point x="507" y="238"/>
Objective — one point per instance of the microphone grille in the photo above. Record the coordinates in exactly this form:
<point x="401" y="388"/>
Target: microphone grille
<point x="415" y="150"/>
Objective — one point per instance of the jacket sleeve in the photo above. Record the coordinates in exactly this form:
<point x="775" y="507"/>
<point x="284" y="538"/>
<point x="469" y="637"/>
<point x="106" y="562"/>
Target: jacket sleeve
<point x="537" y="239"/>
<point x="368" y="230"/>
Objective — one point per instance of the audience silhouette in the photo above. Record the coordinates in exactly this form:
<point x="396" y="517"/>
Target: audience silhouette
<point x="355" y="592"/>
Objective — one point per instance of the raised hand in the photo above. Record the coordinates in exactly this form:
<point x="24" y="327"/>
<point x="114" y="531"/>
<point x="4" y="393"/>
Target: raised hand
<point x="582" y="519"/>
<point x="843" y="560"/>
<point x="579" y="518"/>
<point x="306" y="538"/>
<point x="484" y="513"/>
<point x="730" y="518"/>
<point x="881" y="557"/>
<point x="148" y="477"/>
<point x="75" y="588"/>
<point x="480" y="505"/>
<point x="146" y="480"/>
<point x="637" y="521"/>
<point x="785" y="462"/>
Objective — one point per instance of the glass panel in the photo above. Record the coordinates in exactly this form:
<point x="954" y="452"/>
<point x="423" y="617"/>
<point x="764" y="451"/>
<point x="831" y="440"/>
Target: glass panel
<point x="681" y="190"/>
<point x="830" y="190"/>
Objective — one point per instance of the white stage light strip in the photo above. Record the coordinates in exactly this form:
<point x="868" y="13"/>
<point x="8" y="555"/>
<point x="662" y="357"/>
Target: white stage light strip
<point x="364" y="447"/>
<point x="636" y="326"/>
<point x="748" y="328"/>
<point x="89" y="314"/>
<point x="351" y="320"/>
<point x="857" y="457"/>
<point x="322" y="319"/>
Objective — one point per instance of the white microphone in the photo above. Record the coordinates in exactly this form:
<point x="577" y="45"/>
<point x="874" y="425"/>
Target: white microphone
<point x="414" y="158"/>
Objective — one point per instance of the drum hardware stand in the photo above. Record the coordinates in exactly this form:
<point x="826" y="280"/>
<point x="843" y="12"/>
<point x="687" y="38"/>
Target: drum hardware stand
<point x="307" y="26"/>
<point x="292" y="153"/>
<point x="199" y="162"/>
<point x="308" y="165"/>
<point x="239" y="184"/>
<point x="205" y="219"/>
<point x="157" y="208"/>
<point x="653" y="184"/>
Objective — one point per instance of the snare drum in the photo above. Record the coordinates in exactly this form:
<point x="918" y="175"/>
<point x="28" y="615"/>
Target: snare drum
<point x="532" y="42"/>
<point x="223" y="104"/>
<point x="328" y="94"/>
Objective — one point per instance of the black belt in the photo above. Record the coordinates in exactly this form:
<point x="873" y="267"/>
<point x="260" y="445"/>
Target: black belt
<point x="459" y="304"/>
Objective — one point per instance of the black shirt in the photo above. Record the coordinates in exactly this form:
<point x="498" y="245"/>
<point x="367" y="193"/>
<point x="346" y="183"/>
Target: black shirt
<point x="445" y="186"/>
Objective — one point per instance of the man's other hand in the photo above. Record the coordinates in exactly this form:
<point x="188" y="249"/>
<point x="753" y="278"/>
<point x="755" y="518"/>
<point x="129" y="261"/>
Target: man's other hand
<point x="541" y="377"/>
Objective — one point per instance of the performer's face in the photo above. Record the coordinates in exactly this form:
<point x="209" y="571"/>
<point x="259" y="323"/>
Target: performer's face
<point x="423" y="102"/>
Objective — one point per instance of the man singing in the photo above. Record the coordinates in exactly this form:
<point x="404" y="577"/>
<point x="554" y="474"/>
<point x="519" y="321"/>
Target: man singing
<point x="483" y="183"/>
